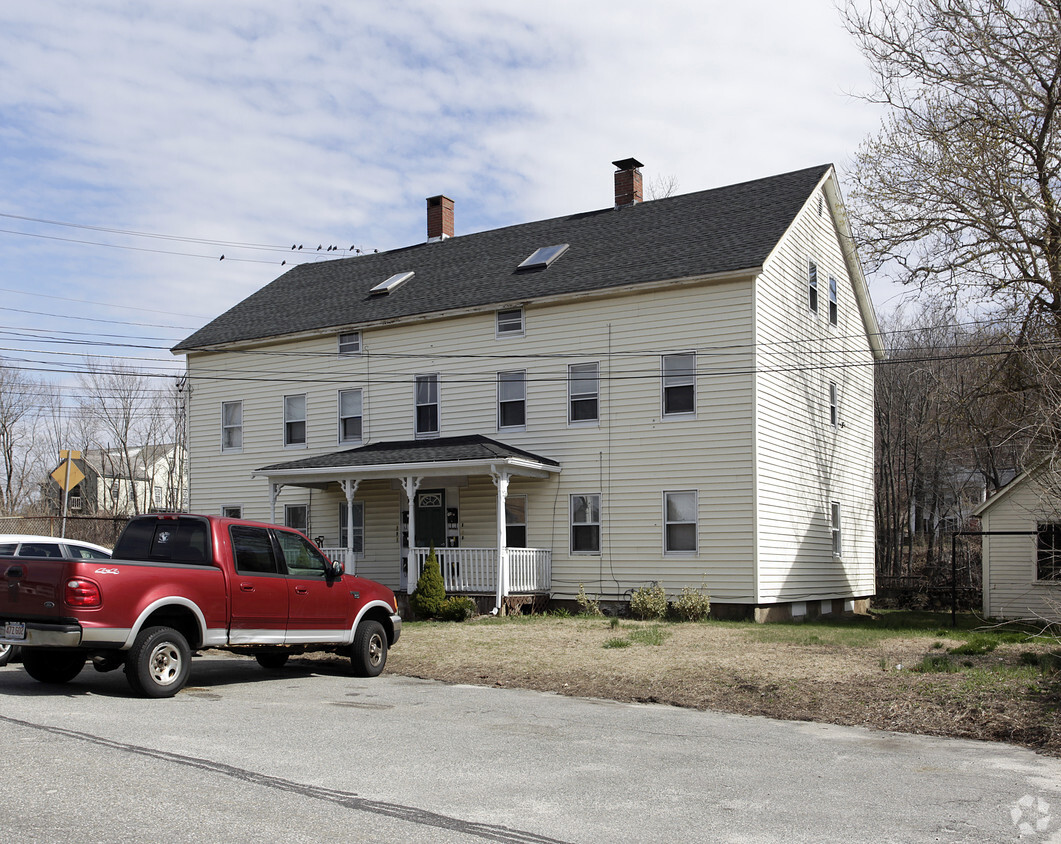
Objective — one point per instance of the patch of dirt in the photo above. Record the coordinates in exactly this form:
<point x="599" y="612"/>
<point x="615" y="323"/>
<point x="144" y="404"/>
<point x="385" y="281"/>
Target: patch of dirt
<point x="742" y="669"/>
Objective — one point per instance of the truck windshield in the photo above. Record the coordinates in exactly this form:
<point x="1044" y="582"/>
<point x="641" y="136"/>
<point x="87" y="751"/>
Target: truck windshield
<point x="181" y="540"/>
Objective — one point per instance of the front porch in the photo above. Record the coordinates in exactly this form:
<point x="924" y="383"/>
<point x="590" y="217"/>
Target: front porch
<point x="427" y="476"/>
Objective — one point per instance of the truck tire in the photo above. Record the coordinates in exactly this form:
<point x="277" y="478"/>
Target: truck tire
<point x="273" y="661"/>
<point x="7" y="653"/>
<point x="53" y="665"/>
<point x="158" y="663"/>
<point x="368" y="654"/>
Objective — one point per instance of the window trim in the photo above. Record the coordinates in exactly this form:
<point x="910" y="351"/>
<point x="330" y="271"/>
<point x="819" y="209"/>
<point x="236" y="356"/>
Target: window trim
<point x="522" y="426"/>
<point x="235" y="449"/>
<point x="348" y="352"/>
<point x="572" y="396"/>
<point x="437" y="404"/>
<point x="339" y="412"/>
<point x="500" y="333"/>
<point x="225" y="507"/>
<point x="572" y="523"/>
<point x="664" y="386"/>
<point x="288" y="442"/>
<point x="1040" y="552"/>
<point x="834" y="304"/>
<point x="836" y="529"/>
<point x="682" y="552"/>
<point x="834" y="404"/>
<point x="288" y="508"/>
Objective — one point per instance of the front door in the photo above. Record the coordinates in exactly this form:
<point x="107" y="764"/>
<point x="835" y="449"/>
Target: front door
<point x="431" y="518"/>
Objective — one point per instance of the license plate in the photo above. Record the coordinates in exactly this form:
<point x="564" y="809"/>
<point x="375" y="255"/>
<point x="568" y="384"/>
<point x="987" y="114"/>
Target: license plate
<point x="14" y="630"/>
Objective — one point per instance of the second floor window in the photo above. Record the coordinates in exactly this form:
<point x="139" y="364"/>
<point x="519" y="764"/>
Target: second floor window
<point x="812" y="287"/>
<point x="427" y="416"/>
<point x="512" y="399"/>
<point x="583" y="392"/>
<point x="350" y="416"/>
<point x="232" y="426"/>
<point x="295" y="420"/>
<point x="834" y="404"/>
<point x="350" y="343"/>
<point x="510" y="323"/>
<point x="679" y="384"/>
<point x="833" y="314"/>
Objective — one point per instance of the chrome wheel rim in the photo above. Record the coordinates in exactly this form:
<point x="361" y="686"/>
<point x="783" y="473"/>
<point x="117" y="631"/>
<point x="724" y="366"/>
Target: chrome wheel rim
<point x="375" y="649"/>
<point x="164" y="663"/>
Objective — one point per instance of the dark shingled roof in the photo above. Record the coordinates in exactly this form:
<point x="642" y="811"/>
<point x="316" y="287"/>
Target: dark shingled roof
<point x="714" y="231"/>
<point x="442" y="450"/>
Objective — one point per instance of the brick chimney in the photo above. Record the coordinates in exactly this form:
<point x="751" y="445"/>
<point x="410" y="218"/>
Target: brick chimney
<point x="440" y="217"/>
<point x="628" y="182"/>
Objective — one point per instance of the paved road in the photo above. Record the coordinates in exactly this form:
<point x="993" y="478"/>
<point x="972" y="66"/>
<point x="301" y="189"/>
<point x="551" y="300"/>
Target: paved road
<point x="301" y="755"/>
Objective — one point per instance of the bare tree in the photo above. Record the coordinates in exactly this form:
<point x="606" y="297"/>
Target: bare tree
<point x="662" y="186"/>
<point x="960" y="187"/>
<point x="20" y="460"/>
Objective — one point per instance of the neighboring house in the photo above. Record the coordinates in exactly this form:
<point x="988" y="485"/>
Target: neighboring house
<point x="158" y="482"/>
<point x="677" y="391"/>
<point x="1022" y="547"/>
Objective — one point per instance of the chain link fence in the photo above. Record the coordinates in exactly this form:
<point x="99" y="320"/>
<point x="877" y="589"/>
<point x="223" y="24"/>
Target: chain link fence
<point x="102" y="530"/>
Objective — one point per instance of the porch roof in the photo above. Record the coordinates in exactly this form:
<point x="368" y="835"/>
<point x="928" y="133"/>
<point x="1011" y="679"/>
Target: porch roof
<point x="468" y="455"/>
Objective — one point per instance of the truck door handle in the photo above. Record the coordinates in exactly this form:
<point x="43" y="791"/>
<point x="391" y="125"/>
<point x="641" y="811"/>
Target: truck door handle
<point x="246" y="587"/>
<point x="301" y="590"/>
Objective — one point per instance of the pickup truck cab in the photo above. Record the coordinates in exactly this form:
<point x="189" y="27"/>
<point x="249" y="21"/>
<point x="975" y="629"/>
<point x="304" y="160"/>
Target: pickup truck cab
<point x="177" y="584"/>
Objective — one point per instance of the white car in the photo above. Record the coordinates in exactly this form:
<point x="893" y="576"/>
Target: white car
<point x="21" y="545"/>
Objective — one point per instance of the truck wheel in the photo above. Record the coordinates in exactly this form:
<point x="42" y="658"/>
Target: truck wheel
<point x="53" y="665"/>
<point x="272" y="661"/>
<point x="158" y="663"/>
<point x="368" y="654"/>
<point x="7" y="653"/>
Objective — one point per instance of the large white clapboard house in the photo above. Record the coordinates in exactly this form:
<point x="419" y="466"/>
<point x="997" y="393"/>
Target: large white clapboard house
<point x="676" y="391"/>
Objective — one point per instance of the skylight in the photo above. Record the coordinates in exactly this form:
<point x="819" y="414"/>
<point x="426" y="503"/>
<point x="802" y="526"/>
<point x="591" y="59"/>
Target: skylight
<point x="541" y="258"/>
<point x="387" y="286"/>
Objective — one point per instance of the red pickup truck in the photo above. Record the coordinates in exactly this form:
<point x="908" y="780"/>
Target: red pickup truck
<point x="182" y="583"/>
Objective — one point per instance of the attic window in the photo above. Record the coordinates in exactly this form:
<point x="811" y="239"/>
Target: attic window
<point x="387" y="286"/>
<point x="542" y="258"/>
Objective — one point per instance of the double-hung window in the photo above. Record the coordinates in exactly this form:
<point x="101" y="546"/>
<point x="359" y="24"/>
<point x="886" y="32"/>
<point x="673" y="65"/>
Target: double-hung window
<point x="512" y="399"/>
<point x="834" y="518"/>
<point x="812" y="287"/>
<point x="232" y="426"/>
<point x="516" y="521"/>
<point x="297" y="516"/>
<point x="427" y="416"/>
<point x="295" y="420"/>
<point x="585" y="524"/>
<point x="679" y="384"/>
<point x="350" y="416"/>
<point x="1048" y="552"/>
<point x="583" y="392"/>
<point x="350" y="343"/>
<point x="358" y="536"/>
<point x="680" y="522"/>
<point x="510" y="323"/>
<point x="832" y="301"/>
<point x="834" y="405"/>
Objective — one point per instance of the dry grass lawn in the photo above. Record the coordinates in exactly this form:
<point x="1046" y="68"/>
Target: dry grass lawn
<point x="838" y="673"/>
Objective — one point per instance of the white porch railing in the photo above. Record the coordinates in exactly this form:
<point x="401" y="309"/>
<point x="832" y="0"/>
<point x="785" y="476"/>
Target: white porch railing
<point x="475" y="569"/>
<point x="340" y="554"/>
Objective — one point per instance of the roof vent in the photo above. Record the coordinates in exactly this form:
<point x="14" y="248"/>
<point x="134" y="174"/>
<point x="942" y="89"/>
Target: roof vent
<point x="385" y="287"/>
<point x="628" y="189"/>
<point x="542" y="258"/>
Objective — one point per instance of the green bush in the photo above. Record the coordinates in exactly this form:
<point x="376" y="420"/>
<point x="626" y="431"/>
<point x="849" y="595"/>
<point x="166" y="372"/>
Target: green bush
<point x="587" y="606"/>
<point x="692" y="604"/>
<point x="457" y="608"/>
<point x="430" y="593"/>
<point x="649" y="602"/>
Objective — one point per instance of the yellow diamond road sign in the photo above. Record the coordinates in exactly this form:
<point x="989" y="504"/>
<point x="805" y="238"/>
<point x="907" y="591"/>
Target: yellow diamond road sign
<point x="61" y="478"/>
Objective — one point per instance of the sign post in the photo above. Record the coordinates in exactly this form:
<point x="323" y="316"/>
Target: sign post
<point x="67" y="475"/>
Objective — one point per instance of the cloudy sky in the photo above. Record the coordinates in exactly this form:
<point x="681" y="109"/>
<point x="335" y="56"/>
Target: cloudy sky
<point x="139" y="142"/>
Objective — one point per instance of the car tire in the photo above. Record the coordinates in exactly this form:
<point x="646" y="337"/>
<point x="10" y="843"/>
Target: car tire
<point x="368" y="654"/>
<point x="272" y="661"/>
<point x="8" y="653"/>
<point x="158" y="663"/>
<point x="53" y="665"/>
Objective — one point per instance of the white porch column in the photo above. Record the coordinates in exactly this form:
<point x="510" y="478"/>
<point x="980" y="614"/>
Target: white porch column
<point x="274" y="493"/>
<point x="350" y="486"/>
<point x="410" y="484"/>
<point x="501" y="480"/>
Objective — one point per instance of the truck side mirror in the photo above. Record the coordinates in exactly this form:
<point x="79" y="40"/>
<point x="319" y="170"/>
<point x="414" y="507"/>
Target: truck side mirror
<point x="336" y="569"/>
